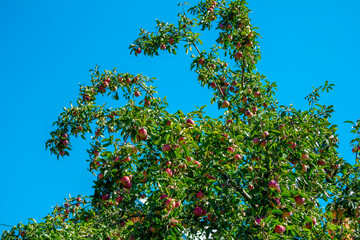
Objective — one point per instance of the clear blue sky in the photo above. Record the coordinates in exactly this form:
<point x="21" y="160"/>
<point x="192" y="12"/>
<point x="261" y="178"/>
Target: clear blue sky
<point x="47" y="48"/>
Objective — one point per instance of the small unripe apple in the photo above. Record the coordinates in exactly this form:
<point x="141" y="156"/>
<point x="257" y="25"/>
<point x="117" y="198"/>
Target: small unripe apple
<point x="250" y="169"/>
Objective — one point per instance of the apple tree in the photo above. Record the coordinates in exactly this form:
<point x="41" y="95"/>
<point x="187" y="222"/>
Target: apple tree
<point x="257" y="171"/>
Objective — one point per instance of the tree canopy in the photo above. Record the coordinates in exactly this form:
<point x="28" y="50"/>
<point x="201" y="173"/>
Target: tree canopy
<point x="258" y="171"/>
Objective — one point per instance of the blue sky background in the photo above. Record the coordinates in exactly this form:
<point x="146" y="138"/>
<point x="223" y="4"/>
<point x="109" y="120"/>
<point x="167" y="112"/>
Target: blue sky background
<point x="47" y="48"/>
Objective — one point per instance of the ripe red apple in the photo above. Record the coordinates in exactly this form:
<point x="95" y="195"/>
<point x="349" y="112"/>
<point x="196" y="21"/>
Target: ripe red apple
<point x="169" y="172"/>
<point x="225" y="104"/>
<point x="168" y="123"/>
<point x="170" y="203"/>
<point x="201" y="61"/>
<point x="171" y="41"/>
<point x="100" y="176"/>
<point x="251" y="187"/>
<point x="281" y="126"/>
<point x="211" y="217"/>
<point x="258" y="221"/>
<point x="125" y="181"/>
<point x="256" y="141"/>
<point x="200" y="195"/>
<point x="142" y="133"/>
<point x="279" y="229"/>
<point x="190" y="122"/>
<point x="273" y="184"/>
<point x="78" y="199"/>
<point x="197" y="163"/>
<point x="138" y="51"/>
<point x="238" y="45"/>
<point x="166" y="148"/>
<point x="229" y="121"/>
<point x="248" y="114"/>
<point x="128" y="80"/>
<point x="238" y="55"/>
<point x="263" y="143"/>
<point x="137" y="94"/>
<point x="127" y="159"/>
<point x="168" y="164"/>
<point x="299" y="200"/>
<point x="286" y="214"/>
<point x="254" y="109"/>
<point x="230" y="149"/>
<point x="163" y="46"/>
<point x="62" y="153"/>
<point x="304" y="156"/>
<point x="257" y="94"/>
<point x="265" y="134"/>
<point x="96" y="153"/>
<point x="119" y="199"/>
<point x="321" y="162"/>
<point x="152" y="229"/>
<point x="237" y="157"/>
<point x="198" y="211"/>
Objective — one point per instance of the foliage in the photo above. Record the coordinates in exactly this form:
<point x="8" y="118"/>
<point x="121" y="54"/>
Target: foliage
<point x="258" y="171"/>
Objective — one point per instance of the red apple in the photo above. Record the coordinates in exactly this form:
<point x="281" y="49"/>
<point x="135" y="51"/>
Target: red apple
<point x="251" y="187"/>
<point x="169" y="172"/>
<point x="263" y="143"/>
<point x="163" y="46"/>
<point x="230" y="150"/>
<point x="170" y="203"/>
<point x="166" y="148"/>
<point x="257" y="94"/>
<point x="201" y="61"/>
<point x="237" y="157"/>
<point x="299" y="200"/>
<point x="171" y="41"/>
<point x="200" y="195"/>
<point x="225" y="104"/>
<point x="256" y="141"/>
<point x="190" y="122"/>
<point x="138" y="51"/>
<point x="279" y="229"/>
<point x="265" y="134"/>
<point x="137" y="94"/>
<point x="78" y="199"/>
